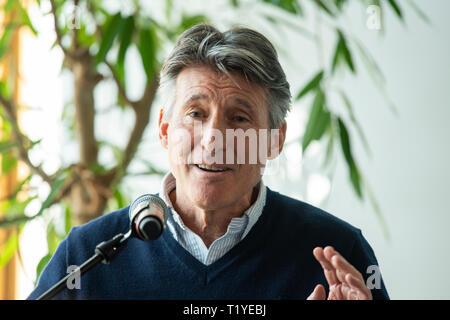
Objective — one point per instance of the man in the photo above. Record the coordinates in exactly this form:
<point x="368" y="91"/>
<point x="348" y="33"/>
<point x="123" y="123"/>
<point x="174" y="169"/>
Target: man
<point x="228" y="236"/>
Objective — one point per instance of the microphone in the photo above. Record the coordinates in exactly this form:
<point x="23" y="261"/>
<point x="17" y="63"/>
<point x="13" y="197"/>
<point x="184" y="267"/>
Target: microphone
<point x="148" y="216"/>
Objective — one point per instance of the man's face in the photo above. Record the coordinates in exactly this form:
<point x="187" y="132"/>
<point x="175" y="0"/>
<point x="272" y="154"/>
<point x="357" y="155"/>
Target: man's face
<point x="208" y="107"/>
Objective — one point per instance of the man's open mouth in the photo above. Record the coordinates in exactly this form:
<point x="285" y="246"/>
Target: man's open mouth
<point x="211" y="168"/>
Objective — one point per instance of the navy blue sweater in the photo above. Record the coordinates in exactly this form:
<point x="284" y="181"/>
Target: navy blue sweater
<point x="274" y="261"/>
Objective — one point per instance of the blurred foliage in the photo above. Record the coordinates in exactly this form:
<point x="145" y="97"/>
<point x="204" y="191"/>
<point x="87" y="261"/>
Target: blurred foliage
<point x="105" y="37"/>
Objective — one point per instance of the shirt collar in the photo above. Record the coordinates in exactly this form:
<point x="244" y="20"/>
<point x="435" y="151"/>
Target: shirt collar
<point x="168" y="184"/>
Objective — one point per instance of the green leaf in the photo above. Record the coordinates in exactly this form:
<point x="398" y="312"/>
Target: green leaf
<point x="355" y="122"/>
<point x="53" y="192"/>
<point x="419" y="12"/>
<point x="342" y="52"/>
<point x="321" y="4"/>
<point x="10" y="4"/>
<point x="9" y="248"/>
<point x="330" y="145"/>
<point x="291" y="6"/>
<point x="5" y="146"/>
<point x="355" y="177"/>
<point x="168" y="8"/>
<point x="120" y="199"/>
<point x="112" y="29"/>
<point x="42" y="263"/>
<point x="20" y="14"/>
<point x="337" y="55"/>
<point x="312" y="84"/>
<point x="339" y="4"/>
<point x="7" y="126"/>
<point x="55" y="187"/>
<point x="84" y="38"/>
<point x="396" y="8"/>
<point x="97" y="168"/>
<point x="25" y="19"/>
<point x="375" y="74"/>
<point x="5" y="91"/>
<point x="21" y="185"/>
<point x="125" y="37"/>
<point x="234" y="3"/>
<point x="5" y="40"/>
<point x="319" y="120"/>
<point x="345" y="142"/>
<point x="8" y="163"/>
<point x="67" y="219"/>
<point x="14" y="207"/>
<point x="53" y="239"/>
<point x="372" y="67"/>
<point x="329" y="150"/>
<point x="50" y="237"/>
<point x="346" y="52"/>
<point x="148" y="42"/>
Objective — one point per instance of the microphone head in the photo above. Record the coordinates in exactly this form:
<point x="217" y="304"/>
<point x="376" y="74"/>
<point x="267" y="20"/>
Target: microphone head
<point x="148" y="216"/>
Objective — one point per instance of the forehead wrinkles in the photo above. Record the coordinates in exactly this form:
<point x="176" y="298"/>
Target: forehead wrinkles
<point x="218" y="86"/>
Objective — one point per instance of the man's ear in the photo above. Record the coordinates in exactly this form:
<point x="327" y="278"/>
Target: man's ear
<point x="163" y="125"/>
<point x="282" y="137"/>
<point x="277" y="141"/>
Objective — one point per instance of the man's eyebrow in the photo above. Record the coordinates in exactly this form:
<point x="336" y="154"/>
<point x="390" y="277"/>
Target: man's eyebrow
<point x="201" y="96"/>
<point x="244" y="103"/>
<point x="196" y="97"/>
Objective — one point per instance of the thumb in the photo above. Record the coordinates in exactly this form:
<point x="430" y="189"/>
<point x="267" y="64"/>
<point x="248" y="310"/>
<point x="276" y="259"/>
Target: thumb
<point x="318" y="293"/>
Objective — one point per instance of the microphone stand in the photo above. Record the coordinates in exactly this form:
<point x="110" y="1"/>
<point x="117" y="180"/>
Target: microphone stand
<point x="104" y="252"/>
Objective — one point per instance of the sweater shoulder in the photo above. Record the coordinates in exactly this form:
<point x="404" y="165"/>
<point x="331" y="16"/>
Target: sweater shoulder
<point x="299" y="216"/>
<point x="108" y="224"/>
<point x="303" y="212"/>
<point x="86" y="237"/>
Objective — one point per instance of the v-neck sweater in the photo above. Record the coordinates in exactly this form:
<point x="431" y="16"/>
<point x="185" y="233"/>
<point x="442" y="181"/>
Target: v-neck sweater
<point x="274" y="261"/>
<point x="237" y="228"/>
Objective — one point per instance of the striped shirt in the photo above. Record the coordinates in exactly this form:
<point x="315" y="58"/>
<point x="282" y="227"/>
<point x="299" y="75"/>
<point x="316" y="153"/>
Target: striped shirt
<point x="238" y="228"/>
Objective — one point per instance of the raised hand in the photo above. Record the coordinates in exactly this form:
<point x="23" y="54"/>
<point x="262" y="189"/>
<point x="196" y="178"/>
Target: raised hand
<point x="345" y="282"/>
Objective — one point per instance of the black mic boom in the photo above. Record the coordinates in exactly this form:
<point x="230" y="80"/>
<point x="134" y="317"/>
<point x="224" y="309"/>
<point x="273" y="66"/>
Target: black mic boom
<point x="148" y="216"/>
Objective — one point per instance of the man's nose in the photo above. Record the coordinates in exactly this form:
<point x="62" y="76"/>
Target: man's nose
<point x="213" y="132"/>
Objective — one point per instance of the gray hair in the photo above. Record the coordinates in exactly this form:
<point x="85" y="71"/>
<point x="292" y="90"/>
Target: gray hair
<point x="238" y="49"/>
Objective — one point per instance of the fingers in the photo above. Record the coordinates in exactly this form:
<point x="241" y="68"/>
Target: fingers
<point x="340" y="264"/>
<point x="345" y="281"/>
<point x="342" y="291"/>
<point x="359" y="288"/>
<point x="318" y="293"/>
<point x="347" y="273"/>
<point x="329" y="270"/>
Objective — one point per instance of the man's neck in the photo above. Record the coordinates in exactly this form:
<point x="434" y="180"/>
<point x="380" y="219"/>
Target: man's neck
<point x="210" y="225"/>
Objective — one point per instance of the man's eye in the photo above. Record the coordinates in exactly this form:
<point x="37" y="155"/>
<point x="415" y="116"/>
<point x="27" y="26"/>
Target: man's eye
<point x="240" y="119"/>
<point x="195" y="114"/>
